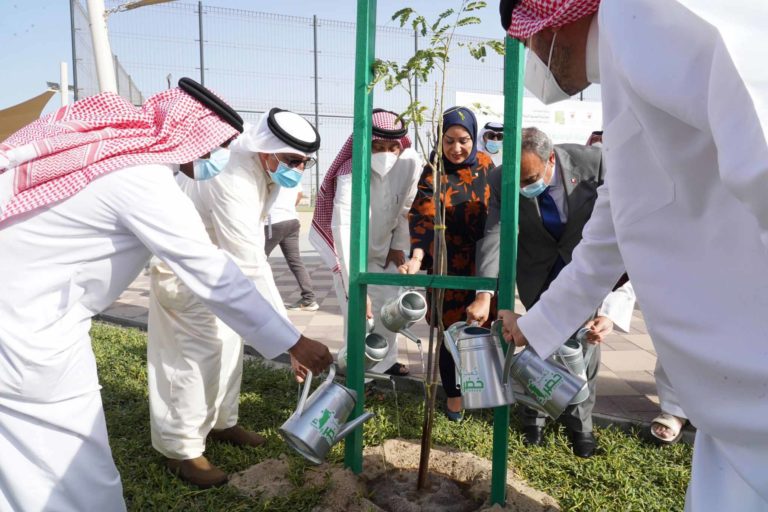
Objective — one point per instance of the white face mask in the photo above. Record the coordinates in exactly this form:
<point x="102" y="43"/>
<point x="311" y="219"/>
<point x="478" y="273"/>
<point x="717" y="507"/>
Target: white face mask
<point x="383" y="162"/>
<point x="540" y="80"/>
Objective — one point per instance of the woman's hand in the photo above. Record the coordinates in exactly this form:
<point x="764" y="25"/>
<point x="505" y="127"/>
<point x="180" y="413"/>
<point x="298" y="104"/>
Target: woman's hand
<point x="413" y="265"/>
<point x="479" y="310"/>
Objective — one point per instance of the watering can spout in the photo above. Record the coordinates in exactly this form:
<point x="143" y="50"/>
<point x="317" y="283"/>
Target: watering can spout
<point x="410" y="335"/>
<point x="352" y="425"/>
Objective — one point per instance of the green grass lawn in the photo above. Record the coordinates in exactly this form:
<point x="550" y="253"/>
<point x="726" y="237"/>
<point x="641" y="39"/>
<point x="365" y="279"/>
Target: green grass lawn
<point x="626" y="474"/>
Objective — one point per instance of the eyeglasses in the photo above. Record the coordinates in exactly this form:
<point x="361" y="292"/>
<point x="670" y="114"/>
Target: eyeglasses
<point x="494" y="136"/>
<point x="294" y="163"/>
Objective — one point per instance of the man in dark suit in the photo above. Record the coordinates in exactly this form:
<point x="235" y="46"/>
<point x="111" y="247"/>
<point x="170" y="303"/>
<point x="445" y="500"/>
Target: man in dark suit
<point x="558" y="185"/>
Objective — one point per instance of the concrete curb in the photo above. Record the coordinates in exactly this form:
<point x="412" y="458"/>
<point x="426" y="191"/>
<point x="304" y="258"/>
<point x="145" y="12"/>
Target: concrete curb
<point x="416" y="386"/>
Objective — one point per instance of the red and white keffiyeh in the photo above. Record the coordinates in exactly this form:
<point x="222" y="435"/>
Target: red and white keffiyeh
<point x="341" y="166"/>
<point x="531" y="16"/>
<point x="56" y="156"/>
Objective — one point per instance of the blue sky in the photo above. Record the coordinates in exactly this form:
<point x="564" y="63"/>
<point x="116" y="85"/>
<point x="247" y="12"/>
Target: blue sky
<point x="35" y="34"/>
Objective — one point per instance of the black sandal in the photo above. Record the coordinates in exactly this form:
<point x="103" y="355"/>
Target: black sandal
<point x="397" y="370"/>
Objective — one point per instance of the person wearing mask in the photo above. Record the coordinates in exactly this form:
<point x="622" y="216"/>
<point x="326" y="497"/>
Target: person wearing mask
<point x="86" y="195"/>
<point x="491" y="141"/>
<point x="283" y="228"/>
<point x="558" y="185"/>
<point x="195" y="360"/>
<point x="683" y="211"/>
<point x="395" y="172"/>
<point x="465" y="193"/>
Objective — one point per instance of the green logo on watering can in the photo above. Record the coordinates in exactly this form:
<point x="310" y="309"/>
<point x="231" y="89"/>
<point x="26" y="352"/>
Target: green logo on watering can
<point x="471" y="381"/>
<point x="327" y="425"/>
<point x="544" y="387"/>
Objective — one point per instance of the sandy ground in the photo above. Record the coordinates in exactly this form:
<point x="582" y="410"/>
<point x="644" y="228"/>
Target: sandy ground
<point x="460" y="482"/>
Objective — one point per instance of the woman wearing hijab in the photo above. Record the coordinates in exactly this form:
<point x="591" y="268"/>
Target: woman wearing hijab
<point x="465" y="193"/>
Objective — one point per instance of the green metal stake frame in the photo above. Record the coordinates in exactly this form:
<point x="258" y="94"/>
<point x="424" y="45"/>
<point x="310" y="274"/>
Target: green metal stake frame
<point x="359" y="277"/>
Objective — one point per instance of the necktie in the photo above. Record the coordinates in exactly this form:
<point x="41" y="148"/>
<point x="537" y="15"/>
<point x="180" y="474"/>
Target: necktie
<point x="550" y="217"/>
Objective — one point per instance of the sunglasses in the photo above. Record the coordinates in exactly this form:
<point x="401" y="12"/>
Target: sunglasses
<point x="294" y="163"/>
<point x="494" y="136"/>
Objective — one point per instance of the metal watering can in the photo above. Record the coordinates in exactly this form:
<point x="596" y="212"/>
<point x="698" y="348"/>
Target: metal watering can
<point x="319" y="422"/>
<point x="541" y="384"/>
<point x="401" y="312"/>
<point x="576" y="360"/>
<point x="478" y="355"/>
<point x="376" y="348"/>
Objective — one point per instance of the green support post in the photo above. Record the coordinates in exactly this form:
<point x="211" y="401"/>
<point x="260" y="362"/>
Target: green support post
<point x="359" y="277"/>
<point x="513" y="110"/>
<point x="361" y="164"/>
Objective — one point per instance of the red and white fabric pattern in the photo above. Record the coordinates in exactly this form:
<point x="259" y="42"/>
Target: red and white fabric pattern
<point x="342" y="165"/>
<point x="56" y="156"/>
<point x="531" y="16"/>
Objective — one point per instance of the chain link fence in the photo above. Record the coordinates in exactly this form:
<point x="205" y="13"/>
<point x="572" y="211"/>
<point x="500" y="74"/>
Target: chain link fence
<point x="257" y="60"/>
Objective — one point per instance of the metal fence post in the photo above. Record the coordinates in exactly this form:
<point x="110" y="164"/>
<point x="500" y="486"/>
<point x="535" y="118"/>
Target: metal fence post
<point x="317" y="106"/>
<point x="513" y="110"/>
<point x="74" y="46"/>
<point x="361" y="169"/>
<point x="415" y="88"/>
<point x="200" y="33"/>
<point x="116" y="65"/>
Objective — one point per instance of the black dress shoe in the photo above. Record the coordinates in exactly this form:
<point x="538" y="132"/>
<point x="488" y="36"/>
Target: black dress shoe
<point x="532" y="435"/>
<point x="584" y="444"/>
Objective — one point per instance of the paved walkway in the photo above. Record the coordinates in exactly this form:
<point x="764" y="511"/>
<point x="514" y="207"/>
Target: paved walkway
<point x="626" y="387"/>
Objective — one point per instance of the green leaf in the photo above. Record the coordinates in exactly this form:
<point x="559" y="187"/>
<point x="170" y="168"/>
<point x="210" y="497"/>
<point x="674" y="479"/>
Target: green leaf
<point x="440" y="18"/>
<point x="474" y="6"/>
<point x="469" y="20"/>
<point x="403" y="15"/>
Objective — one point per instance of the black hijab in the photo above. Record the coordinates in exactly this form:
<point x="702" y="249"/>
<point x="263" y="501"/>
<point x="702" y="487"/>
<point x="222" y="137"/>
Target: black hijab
<point x="461" y="116"/>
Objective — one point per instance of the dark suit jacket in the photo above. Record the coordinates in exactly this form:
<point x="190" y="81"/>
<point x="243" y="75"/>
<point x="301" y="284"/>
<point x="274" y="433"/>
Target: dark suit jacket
<point x="580" y="170"/>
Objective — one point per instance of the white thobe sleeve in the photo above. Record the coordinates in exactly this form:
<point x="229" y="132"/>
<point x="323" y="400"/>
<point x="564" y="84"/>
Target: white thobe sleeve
<point x="581" y="286"/>
<point x="340" y="223"/>
<point x="702" y="86"/>
<point x="401" y="237"/>
<point x="166" y="222"/>
<point x="618" y="306"/>
<point x="236" y="209"/>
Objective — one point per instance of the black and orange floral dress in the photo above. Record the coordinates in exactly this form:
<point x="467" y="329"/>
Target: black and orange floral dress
<point x="466" y="194"/>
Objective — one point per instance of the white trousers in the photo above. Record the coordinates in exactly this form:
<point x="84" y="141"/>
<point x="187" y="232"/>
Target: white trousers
<point x="379" y="296"/>
<point x="667" y="397"/>
<point x="56" y="457"/>
<point x="715" y="484"/>
<point x="195" y="365"/>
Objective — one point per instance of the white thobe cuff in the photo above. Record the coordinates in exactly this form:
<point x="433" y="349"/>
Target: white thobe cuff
<point x="281" y="333"/>
<point x="543" y="336"/>
<point x="618" y="306"/>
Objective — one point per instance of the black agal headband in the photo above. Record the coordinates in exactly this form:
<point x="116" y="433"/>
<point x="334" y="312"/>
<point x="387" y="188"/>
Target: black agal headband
<point x="396" y="133"/>
<point x="496" y="127"/>
<point x="279" y="122"/>
<point x="212" y="102"/>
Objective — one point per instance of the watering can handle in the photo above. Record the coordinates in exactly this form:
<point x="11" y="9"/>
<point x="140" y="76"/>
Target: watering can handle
<point x="496" y="330"/>
<point x="450" y="342"/>
<point x="331" y="373"/>
<point x="304" y="392"/>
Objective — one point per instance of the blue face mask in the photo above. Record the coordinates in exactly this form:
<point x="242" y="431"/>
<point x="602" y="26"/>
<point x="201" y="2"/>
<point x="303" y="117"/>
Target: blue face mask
<point x="534" y="189"/>
<point x="205" y="169"/>
<point x="286" y="177"/>
<point x="493" y="146"/>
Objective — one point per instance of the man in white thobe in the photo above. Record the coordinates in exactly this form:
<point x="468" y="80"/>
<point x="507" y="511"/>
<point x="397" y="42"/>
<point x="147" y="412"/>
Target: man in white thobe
<point x="73" y="238"/>
<point x="195" y="359"/>
<point x="395" y="173"/>
<point x="685" y="110"/>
